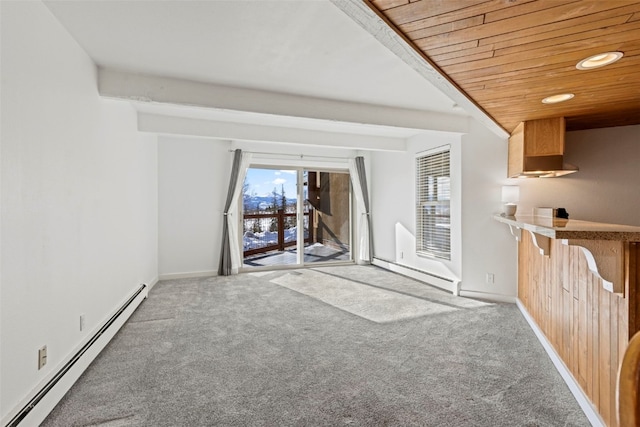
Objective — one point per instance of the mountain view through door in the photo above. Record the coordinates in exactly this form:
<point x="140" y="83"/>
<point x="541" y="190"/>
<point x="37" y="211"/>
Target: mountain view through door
<point x="282" y="227"/>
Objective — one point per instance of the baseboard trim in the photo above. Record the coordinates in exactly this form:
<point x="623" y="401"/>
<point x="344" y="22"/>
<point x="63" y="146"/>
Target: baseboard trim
<point x="152" y="283"/>
<point x="576" y="390"/>
<point x="34" y="409"/>
<point x="488" y="296"/>
<point x="448" y="284"/>
<point x="171" y="276"/>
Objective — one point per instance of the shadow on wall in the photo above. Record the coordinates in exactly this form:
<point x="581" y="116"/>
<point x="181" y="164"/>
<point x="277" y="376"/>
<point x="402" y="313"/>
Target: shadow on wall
<point x="406" y="255"/>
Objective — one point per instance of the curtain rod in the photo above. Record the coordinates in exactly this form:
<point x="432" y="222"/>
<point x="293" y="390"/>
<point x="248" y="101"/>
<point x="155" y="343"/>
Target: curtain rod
<point x="301" y="156"/>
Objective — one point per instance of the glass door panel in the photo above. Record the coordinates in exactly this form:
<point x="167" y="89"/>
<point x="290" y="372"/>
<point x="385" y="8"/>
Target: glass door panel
<point x="269" y="222"/>
<point x="327" y="216"/>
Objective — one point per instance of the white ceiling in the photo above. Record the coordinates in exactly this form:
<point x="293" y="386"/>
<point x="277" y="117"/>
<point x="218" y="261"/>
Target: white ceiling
<point x="304" y="47"/>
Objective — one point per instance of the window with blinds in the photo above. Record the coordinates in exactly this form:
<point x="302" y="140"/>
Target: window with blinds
<point x="433" y="198"/>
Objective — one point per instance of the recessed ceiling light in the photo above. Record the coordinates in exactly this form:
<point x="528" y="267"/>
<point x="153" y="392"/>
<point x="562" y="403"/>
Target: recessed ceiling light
<point x="599" y="60"/>
<point x="554" y="99"/>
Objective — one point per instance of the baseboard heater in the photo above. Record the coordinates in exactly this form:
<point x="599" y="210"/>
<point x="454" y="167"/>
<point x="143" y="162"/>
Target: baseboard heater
<point x="446" y="283"/>
<point x="47" y="387"/>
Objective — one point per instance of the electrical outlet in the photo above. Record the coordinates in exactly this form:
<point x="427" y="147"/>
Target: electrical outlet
<point x="42" y="357"/>
<point x="81" y="322"/>
<point x="490" y="278"/>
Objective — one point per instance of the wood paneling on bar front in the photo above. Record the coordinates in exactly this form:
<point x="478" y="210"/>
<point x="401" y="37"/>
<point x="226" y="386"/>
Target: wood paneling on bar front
<point x="588" y="326"/>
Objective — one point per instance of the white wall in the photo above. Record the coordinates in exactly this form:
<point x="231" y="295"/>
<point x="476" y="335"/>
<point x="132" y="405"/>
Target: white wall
<point x="393" y="177"/>
<point x="480" y="245"/>
<point x="193" y="178"/>
<point x="605" y="189"/>
<point x="487" y="245"/>
<point x="79" y="200"/>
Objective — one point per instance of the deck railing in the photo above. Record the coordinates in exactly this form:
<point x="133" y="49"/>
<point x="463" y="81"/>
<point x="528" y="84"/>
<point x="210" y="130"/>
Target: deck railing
<point x="268" y="231"/>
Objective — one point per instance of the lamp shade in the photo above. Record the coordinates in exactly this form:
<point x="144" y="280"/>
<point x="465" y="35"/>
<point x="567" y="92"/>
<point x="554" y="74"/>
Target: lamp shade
<point x="510" y="193"/>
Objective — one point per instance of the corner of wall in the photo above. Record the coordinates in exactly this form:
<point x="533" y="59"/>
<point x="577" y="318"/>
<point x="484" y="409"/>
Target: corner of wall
<point x="489" y="252"/>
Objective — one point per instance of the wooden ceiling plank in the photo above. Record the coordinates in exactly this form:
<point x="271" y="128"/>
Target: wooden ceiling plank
<point x="635" y="17"/>
<point x="446" y="28"/>
<point x="564" y="80"/>
<point x="425" y="9"/>
<point x="460" y="53"/>
<point x="521" y="26"/>
<point x="550" y="71"/>
<point x="627" y="116"/>
<point x="554" y="67"/>
<point x="623" y="87"/>
<point x="467" y="12"/>
<point x="454" y="48"/>
<point x="595" y="45"/>
<point x="611" y="27"/>
<point x="587" y="121"/>
<point x="474" y="69"/>
<point x="471" y="57"/>
<point x="523" y="9"/>
<point x="558" y="109"/>
<point x="511" y="119"/>
<point x="530" y="114"/>
<point x="555" y="29"/>
<point x="601" y="120"/>
<point x="461" y="72"/>
<point x="620" y="106"/>
<point x="474" y="88"/>
<point x="545" y="115"/>
<point x="575" y="27"/>
<point x="527" y="109"/>
<point x="544" y="111"/>
<point x="609" y="42"/>
<point x="383" y="5"/>
<point x="620" y="92"/>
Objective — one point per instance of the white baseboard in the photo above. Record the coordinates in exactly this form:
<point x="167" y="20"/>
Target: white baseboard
<point x="188" y="275"/>
<point x="487" y="296"/>
<point x="450" y="285"/>
<point x="151" y="284"/>
<point x="52" y="397"/>
<point x="581" y="397"/>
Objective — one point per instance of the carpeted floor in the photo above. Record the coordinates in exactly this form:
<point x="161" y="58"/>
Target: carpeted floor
<point x="274" y="349"/>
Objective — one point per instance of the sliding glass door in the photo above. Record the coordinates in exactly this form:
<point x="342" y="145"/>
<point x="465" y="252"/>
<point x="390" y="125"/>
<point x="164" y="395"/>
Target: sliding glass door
<point x="328" y="199"/>
<point x="293" y="217"/>
<point x="270" y="212"/>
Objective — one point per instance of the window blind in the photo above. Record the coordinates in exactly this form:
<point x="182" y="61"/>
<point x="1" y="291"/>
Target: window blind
<point x="433" y="199"/>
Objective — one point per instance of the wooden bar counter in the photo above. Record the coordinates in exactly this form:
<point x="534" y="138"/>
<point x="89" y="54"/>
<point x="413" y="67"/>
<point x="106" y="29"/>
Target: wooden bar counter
<point x="579" y="282"/>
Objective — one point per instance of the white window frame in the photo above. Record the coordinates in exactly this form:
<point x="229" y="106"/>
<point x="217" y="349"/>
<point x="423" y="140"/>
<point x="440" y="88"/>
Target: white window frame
<point x="433" y="203"/>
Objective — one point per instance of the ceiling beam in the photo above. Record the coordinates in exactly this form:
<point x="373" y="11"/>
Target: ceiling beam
<point x="155" y="89"/>
<point x="364" y="16"/>
<point x="170" y="125"/>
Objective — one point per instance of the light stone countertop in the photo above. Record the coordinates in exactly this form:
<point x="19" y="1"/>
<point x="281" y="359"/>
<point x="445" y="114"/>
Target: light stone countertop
<point x="558" y="228"/>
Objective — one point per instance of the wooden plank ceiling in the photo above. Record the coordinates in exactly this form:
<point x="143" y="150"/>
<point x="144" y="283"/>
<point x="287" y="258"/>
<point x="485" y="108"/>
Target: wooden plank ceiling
<point x="507" y="55"/>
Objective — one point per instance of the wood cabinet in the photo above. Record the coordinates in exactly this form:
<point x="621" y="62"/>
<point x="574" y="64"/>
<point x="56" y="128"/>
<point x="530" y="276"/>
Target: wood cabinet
<point x="536" y="145"/>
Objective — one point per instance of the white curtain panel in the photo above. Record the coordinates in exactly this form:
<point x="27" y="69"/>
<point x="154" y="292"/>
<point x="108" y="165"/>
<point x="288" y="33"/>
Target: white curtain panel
<point x="233" y="216"/>
<point x="362" y="226"/>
